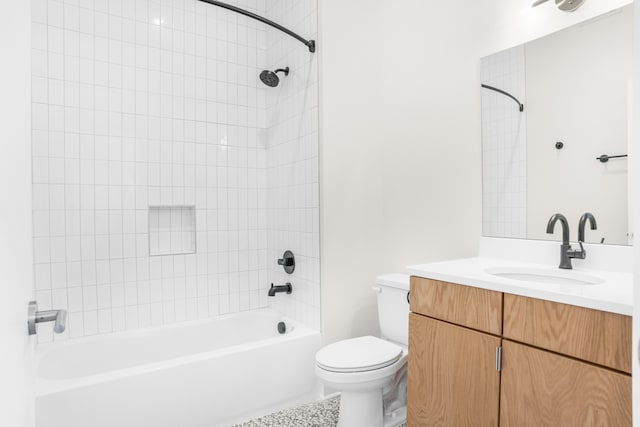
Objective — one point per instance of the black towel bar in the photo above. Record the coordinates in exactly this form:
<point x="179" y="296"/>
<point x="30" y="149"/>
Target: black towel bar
<point x="605" y="158"/>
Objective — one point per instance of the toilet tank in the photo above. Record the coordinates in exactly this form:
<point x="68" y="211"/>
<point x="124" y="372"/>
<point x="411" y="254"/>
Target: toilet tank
<point x="393" y="307"/>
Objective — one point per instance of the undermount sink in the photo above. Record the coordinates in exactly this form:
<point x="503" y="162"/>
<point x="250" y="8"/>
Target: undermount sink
<point x="543" y="275"/>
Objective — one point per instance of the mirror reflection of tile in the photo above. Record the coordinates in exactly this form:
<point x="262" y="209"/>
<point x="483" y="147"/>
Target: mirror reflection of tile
<point x="504" y="146"/>
<point x="172" y="230"/>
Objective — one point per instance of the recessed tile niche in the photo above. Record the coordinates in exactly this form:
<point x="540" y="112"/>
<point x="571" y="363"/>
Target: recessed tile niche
<point x="172" y="230"/>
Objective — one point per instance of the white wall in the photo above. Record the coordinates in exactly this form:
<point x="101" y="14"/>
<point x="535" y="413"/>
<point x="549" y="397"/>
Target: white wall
<point x="16" y="276"/>
<point x="400" y="136"/>
<point x="577" y="90"/>
<point x="400" y="146"/>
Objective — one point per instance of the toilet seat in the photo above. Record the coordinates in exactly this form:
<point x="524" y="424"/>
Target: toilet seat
<point x="358" y="355"/>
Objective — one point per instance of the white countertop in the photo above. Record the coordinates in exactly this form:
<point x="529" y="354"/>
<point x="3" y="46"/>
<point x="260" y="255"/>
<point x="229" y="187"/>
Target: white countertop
<point x="614" y="294"/>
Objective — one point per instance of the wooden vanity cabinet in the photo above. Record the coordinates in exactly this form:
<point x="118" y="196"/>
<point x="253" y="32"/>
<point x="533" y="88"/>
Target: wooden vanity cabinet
<point x="560" y="365"/>
<point x="453" y="336"/>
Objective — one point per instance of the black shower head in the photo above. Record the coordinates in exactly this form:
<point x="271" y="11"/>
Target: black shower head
<point x="270" y="78"/>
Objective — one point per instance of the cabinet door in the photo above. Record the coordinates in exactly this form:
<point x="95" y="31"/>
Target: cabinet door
<point x="453" y="379"/>
<point x="545" y="389"/>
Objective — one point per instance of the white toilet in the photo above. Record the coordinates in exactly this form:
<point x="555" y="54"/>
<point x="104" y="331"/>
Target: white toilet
<point x="370" y="372"/>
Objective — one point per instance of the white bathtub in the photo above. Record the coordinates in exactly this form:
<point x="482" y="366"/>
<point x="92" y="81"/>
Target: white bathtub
<point x="196" y="374"/>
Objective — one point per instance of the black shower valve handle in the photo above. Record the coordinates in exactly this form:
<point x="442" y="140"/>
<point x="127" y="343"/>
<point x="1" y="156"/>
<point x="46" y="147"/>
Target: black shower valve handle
<point x="288" y="262"/>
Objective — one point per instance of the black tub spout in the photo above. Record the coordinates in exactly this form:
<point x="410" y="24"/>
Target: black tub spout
<point x="280" y="288"/>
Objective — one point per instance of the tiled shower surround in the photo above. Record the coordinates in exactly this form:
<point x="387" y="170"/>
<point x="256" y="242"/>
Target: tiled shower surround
<point x="145" y="103"/>
<point x="292" y="161"/>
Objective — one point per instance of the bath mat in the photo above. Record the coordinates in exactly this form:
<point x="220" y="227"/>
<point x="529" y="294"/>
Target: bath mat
<point x="319" y="413"/>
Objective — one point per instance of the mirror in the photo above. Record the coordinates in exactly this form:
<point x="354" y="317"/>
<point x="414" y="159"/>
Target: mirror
<point x="575" y="88"/>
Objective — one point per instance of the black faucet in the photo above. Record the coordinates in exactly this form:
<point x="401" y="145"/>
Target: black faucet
<point x="566" y="253"/>
<point x="280" y="288"/>
<point x="583" y="221"/>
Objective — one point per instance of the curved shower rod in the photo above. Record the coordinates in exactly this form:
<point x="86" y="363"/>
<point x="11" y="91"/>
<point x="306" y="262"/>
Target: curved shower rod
<point x="520" y="105"/>
<point x="311" y="44"/>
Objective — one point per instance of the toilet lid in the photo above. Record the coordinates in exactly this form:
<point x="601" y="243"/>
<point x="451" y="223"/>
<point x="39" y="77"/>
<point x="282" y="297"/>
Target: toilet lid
<point x="358" y="354"/>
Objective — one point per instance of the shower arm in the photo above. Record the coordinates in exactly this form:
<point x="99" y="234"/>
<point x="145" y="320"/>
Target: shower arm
<point x="520" y="105"/>
<point x="311" y="44"/>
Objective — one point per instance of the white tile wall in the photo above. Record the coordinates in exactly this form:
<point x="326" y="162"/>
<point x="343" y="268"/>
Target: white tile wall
<point x="292" y="160"/>
<point x="149" y="102"/>
<point x="504" y="146"/>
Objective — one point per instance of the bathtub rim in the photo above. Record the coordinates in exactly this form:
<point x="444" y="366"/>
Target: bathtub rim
<point x="45" y="386"/>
